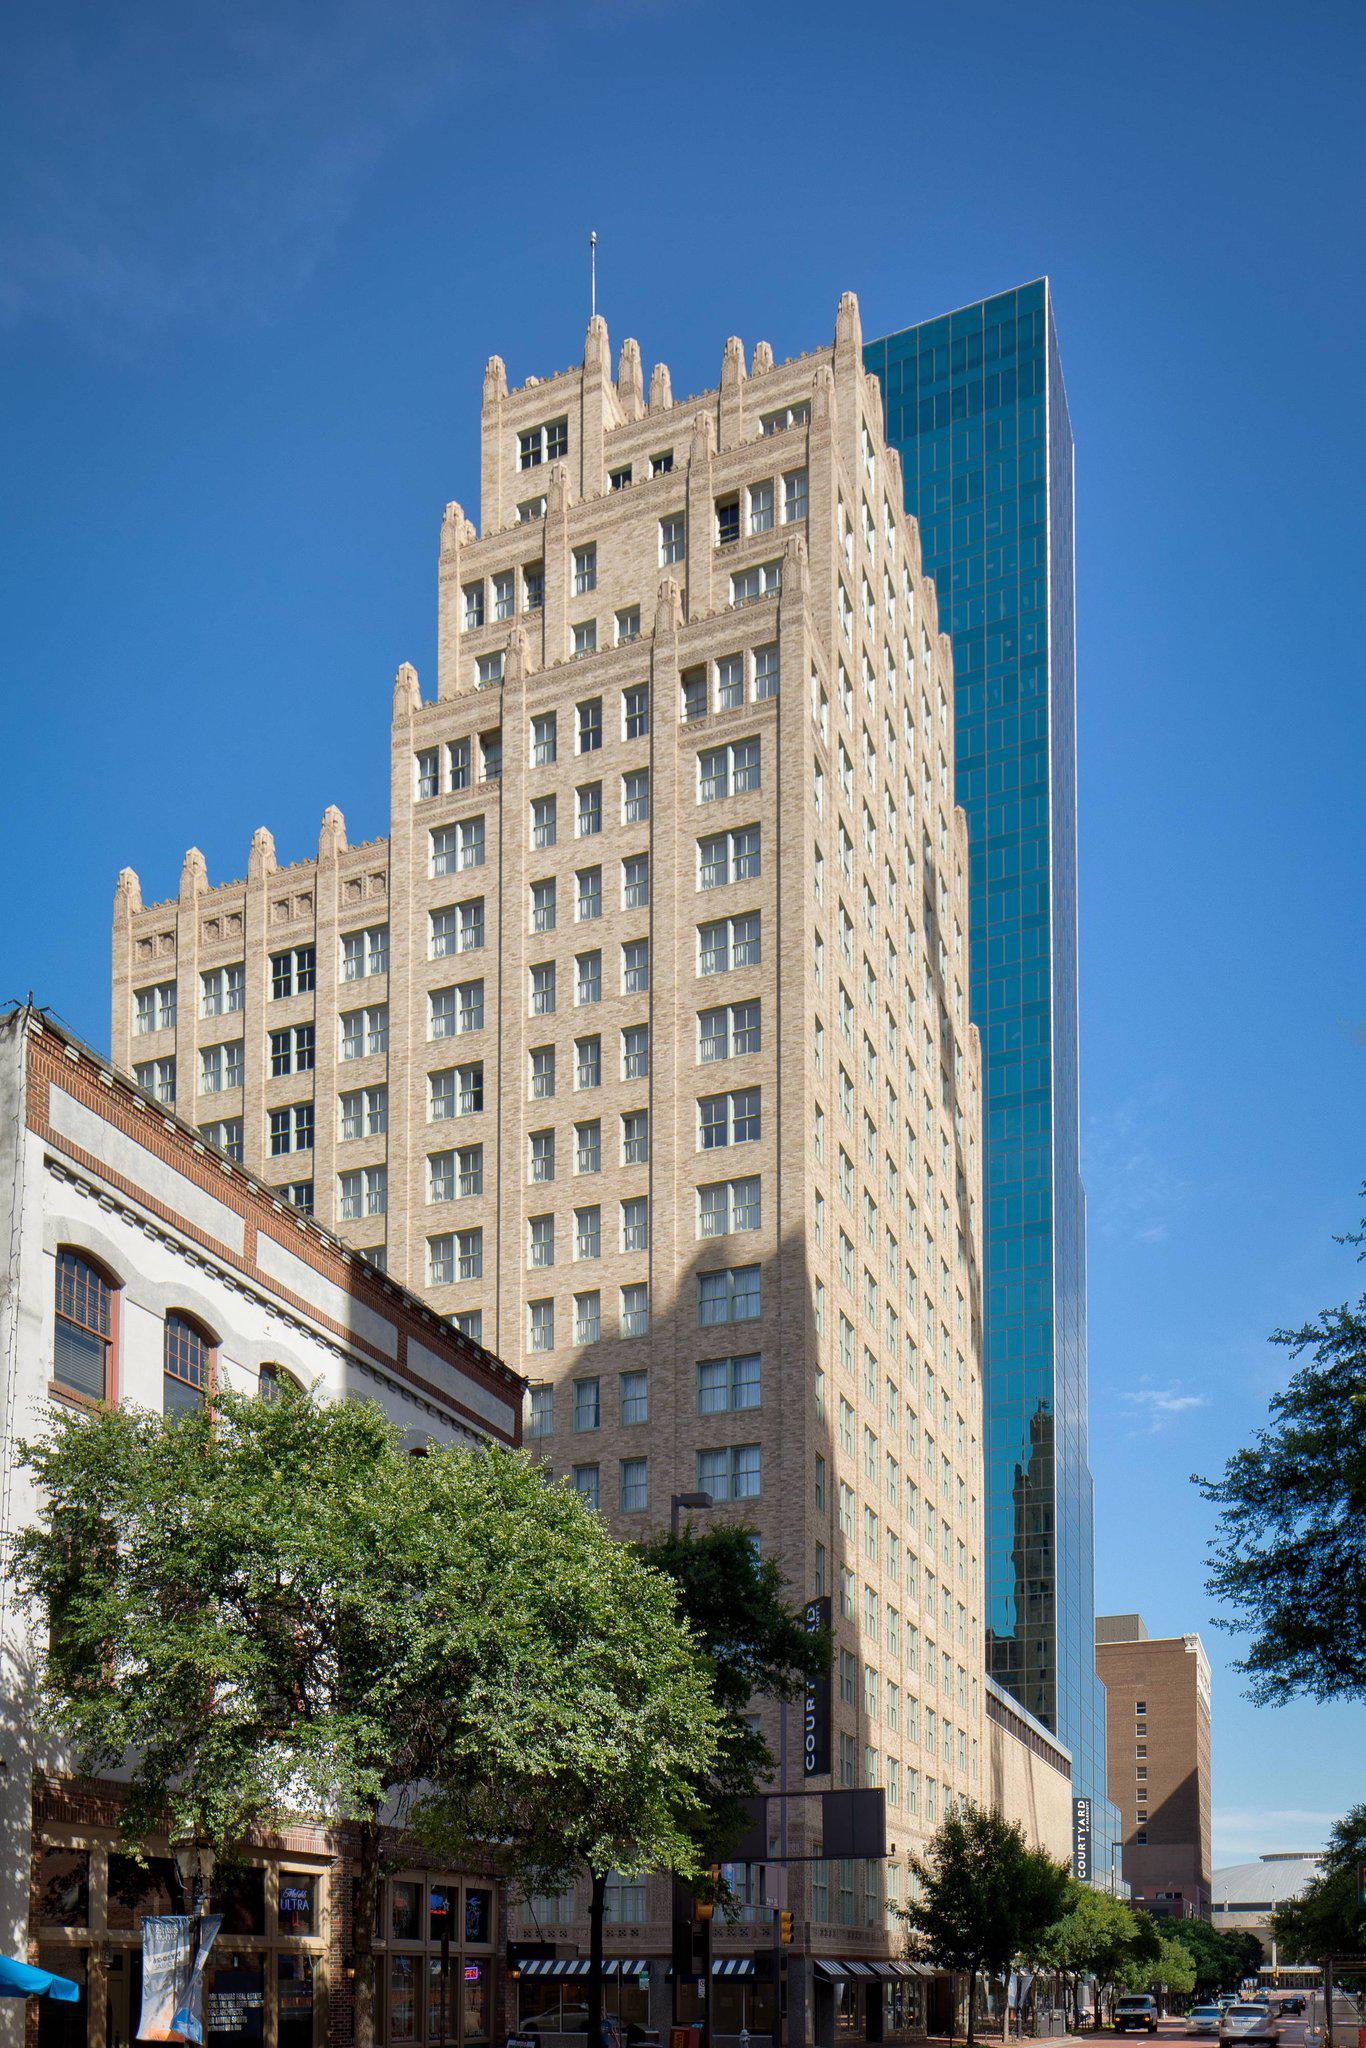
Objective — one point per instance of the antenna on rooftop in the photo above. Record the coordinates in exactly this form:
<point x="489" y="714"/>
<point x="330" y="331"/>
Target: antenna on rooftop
<point x="593" y="272"/>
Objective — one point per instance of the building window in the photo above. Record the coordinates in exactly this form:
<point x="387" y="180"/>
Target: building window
<point x="585" y="1483"/>
<point x="226" y="1135"/>
<point x="588" y="1147"/>
<point x="362" y="1192"/>
<point x="693" y="683"/>
<point x="731" y="1296"/>
<point x="291" y="1129"/>
<point x="220" y="1067"/>
<point x="154" y="1009"/>
<point x="729" y="1119"/>
<point x="587" y="1404"/>
<point x="727" y="1031"/>
<point x="635" y="882"/>
<point x="626" y="625"/>
<point x="541" y="1411"/>
<point x="588" y="1232"/>
<point x="221" y="988"/>
<point x="635" y="1498"/>
<point x="589" y="726"/>
<point x="292" y="1051"/>
<point x="727" y="1383"/>
<point x="585" y="636"/>
<point x="635" y="708"/>
<point x="635" y="1224"/>
<point x="673" y="543"/>
<point x="541" y="988"/>
<point x="365" y="953"/>
<point x="587" y="895"/>
<point x="543" y="444"/>
<point x="587" y="1317"/>
<point x="727" y="521"/>
<point x="489" y="669"/>
<point x="83" y="1343"/>
<point x="635" y="797"/>
<point x="542" y="1072"/>
<point x="543" y="905"/>
<point x="364" y="1113"/>
<point x="635" y="967"/>
<point x="728" y="942"/>
<point x="730" y="682"/>
<point x="541" y="1156"/>
<point x="365" y="1032"/>
<point x="187" y="1366"/>
<point x="635" y="1310"/>
<point x="794" y="495"/>
<point x="588" y="810"/>
<point x="585" y="569"/>
<point x="540" y="1250"/>
<point x="533" y="586"/>
<point x="635" y="1397"/>
<point x="543" y="740"/>
<point x="619" y="478"/>
<point x="786" y="416"/>
<point x="543" y="821"/>
<point x="763" y="579"/>
<point x="729" y="1474"/>
<point x="724" y="1206"/>
<point x="727" y="771"/>
<point x="635" y="1052"/>
<point x="766" y="670"/>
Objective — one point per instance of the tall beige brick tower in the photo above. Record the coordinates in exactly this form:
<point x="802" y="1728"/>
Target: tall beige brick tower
<point x="642" y="1047"/>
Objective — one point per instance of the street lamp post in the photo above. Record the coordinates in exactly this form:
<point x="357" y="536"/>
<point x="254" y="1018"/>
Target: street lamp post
<point x="679" y="1501"/>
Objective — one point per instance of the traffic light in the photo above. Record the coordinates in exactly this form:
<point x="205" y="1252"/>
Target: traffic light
<point x="785" y="1928"/>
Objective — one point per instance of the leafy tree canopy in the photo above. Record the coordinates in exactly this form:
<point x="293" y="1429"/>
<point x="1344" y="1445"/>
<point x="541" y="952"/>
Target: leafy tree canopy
<point x="735" y="1602"/>
<point x="985" y="1896"/>
<point x="1289" y="1556"/>
<point x="1326" y="1919"/>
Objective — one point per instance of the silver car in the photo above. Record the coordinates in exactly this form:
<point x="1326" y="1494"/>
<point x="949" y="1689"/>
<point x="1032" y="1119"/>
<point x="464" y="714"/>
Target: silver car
<point x="1248" y="2022"/>
<point x="1203" y="2019"/>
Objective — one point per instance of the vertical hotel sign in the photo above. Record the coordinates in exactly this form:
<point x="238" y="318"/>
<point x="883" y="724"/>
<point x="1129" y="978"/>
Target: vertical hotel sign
<point x="816" y="1707"/>
<point x="1081" y="1840"/>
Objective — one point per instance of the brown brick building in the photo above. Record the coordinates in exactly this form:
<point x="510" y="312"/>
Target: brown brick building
<point x="1158" y="1742"/>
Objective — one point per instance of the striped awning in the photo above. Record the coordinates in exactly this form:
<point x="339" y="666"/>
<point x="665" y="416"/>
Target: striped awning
<point x="732" y="1966"/>
<point x="579" y="1966"/>
<point x="841" y="1969"/>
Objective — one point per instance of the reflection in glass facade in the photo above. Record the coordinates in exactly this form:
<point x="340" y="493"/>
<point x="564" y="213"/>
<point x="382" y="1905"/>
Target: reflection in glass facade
<point x="975" y="405"/>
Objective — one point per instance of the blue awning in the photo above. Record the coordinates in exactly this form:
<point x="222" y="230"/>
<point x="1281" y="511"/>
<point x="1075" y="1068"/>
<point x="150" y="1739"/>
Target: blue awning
<point x="21" y="1980"/>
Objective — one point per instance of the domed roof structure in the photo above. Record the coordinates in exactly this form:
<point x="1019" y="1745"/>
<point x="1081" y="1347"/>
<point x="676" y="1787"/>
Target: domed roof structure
<point x="1269" y="1882"/>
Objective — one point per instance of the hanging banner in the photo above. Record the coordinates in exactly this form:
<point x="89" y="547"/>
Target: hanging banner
<point x="173" y="1976"/>
<point x="1081" y="1840"/>
<point x="816" y="1706"/>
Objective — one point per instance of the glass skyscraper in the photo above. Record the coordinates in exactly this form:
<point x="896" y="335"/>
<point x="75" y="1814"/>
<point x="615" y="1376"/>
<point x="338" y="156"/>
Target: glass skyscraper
<point x="975" y="405"/>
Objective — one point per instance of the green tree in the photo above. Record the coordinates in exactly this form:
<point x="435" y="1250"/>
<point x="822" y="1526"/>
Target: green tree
<point x="1289" y="1557"/>
<point x="274" y="1606"/>
<point x="1327" y="1919"/>
<point x="757" y="1647"/>
<point x="1098" y="1936"/>
<point x="985" y="1896"/>
<point x="1171" y="1969"/>
<point x="1219" y="1960"/>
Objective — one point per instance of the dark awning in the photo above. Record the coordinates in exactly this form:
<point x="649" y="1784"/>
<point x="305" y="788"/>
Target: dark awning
<point x="578" y="1966"/>
<point x="841" y="1969"/>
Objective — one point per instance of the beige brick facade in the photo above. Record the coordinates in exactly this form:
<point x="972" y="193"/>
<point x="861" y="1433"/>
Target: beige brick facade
<point x="740" y="800"/>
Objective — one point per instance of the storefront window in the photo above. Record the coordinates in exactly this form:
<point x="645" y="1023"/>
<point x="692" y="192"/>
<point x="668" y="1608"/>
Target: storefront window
<point x="475" y="1978"/>
<point x="62" y="2025"/>
<point x="298" y="1909"/>
<point x="478" y="1915"/>
<point x="440" y="1905"/>
<point x="402" y="1998"/>
<point x="294" y="1991"/>
<point x="235" y="2008"/>
<point x="440" y="2002"/>
<point x="239" y="1894"/>
<point x="405" y="1912"/>
<point x="138" y="1888"/>
<point x="63" y="1898"/>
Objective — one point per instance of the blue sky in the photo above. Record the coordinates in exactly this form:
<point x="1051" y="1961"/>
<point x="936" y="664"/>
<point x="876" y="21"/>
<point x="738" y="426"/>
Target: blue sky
<point x="251" y="264"/>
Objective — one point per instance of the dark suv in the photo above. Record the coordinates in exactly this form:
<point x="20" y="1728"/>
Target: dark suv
<point x="1136" y="2013"/>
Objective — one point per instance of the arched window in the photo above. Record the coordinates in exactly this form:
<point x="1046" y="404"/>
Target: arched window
<point x="83" y="1338"/>
<point x="187" y="1359"/>
<point x="272" y="1381"/>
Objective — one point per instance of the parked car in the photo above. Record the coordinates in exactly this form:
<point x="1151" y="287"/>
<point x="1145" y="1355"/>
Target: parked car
<point x="1291" y="2008"/>
<point x="1140" y="2013"/>
<point x="1204" y="2019"/>
<point x="1249" y="2021"/>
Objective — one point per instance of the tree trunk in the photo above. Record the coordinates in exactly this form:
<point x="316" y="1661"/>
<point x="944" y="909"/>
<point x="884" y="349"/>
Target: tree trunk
<point x="597" y="1910"/>
<point x="363" y="1932"/>
<point x="972" y="2004"/>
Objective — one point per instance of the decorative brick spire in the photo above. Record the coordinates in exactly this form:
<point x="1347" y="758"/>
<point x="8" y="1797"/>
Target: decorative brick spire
<point x="661" y="388"/>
